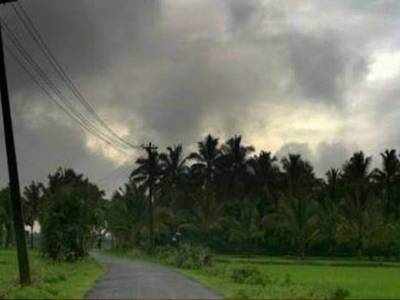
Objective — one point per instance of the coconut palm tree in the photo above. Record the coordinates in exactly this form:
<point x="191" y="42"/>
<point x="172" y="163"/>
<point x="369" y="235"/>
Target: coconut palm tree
<point x="358" y="197"/>
<point x="173" y="163"/>
<point x="297" y="209"/>
<point x="234" y="164"/>
<point x="388" y="180"/>
<point x="206" y="159"/>
<point x="147" y="175"/>
<point x="298" y="176"/>
<point x="236" y="154"/>
<point x="333" y="177"/>
<point x="175" y="171"/>
<point x="265" y="175"/>
<point x="357" y="178"/>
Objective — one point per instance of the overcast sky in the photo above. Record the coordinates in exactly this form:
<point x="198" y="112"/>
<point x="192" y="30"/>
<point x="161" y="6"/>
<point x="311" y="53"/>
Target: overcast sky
<point x="315" y="77"/>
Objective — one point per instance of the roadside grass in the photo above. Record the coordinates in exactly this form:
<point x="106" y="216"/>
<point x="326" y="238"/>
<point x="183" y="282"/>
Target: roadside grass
<point x="263" y="277"/>
<point x="284" y="278"/>
<point x="49" y="280"/>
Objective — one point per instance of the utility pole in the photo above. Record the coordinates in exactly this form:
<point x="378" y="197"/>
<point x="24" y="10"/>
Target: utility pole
<point x="15" y="195"/>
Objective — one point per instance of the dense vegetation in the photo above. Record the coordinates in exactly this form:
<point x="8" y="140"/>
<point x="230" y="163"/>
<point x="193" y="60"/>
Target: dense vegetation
<point x="232" y="200"/>
<point x="225" y="197"/>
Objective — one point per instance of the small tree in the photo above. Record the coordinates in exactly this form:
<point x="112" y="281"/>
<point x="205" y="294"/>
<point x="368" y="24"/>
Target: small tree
<point x="70" y="215"/>
<point x="65" y="225"/>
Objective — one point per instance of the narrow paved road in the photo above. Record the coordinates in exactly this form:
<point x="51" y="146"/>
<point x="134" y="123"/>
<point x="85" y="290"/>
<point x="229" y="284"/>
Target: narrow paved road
<point x="127" y="279"/>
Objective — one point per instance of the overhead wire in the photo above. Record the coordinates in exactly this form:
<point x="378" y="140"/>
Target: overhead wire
<point x="33" y="31"/>
<point x="72" y="111"/>
<point x="54" y="93"/>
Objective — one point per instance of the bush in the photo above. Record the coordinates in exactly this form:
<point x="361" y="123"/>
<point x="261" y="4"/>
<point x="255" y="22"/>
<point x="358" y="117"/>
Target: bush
<point x="248" y="275"/>
<point x="65" y="226"/>
<point x="185" y="256"/>
<point x="339" y="294"/>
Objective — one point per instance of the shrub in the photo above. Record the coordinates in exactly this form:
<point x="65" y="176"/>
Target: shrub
<point x="287" y="280"/>
<point x="339" y="294"/>
<point x="185" y="256"/>
<point x="248" y="275"/>
<point x="65" y="226"/>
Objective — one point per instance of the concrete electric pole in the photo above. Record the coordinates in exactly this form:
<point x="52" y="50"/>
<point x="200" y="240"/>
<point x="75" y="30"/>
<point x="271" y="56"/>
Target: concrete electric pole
<point x="15" y="195"/>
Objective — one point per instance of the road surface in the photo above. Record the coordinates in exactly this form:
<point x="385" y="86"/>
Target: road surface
<point x="128" y="279"/>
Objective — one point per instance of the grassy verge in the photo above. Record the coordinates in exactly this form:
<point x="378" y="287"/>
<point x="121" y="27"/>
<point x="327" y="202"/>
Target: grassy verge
<point x="49" y="280"/>
<point x="262" y="277"/>
<point x="284" y="278"/>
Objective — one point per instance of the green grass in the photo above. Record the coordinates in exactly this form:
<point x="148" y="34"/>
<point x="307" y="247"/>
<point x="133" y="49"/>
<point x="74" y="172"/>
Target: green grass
<point x="49" y="280"/>
<point x="288" y="278"/>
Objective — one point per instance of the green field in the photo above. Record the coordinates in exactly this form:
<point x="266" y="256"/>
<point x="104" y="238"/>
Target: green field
<point x="289" y="278"/>
<point x="50" y="280"/>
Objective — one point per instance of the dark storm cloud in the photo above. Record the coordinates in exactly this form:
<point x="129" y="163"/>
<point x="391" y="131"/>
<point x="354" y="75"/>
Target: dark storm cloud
<point x="212" y="84"/>
<point x="323" y="67"/>
<point x="170" y="77"/>
<point x="91" y="34"/>
<point x="242" y="12"/>
<point x="87" y="37"/>
<point x="386" y="113"/>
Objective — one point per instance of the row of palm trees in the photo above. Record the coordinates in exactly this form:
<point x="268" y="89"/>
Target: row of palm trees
<point x="234" y="198"/>
<point x="228" y="197"/>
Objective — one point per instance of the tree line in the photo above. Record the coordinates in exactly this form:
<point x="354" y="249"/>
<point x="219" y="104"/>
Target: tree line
<point x="226" y="197"/>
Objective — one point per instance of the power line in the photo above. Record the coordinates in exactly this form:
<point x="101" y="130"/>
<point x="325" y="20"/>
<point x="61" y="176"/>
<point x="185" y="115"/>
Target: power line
<point x="46" y="84"/>
<point x="48" y="93"/>
<point x="122" y="170"/>
<point x="64" y="105"/>
<point x="77" y="116"/>
<point x="31" y="28"/>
